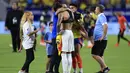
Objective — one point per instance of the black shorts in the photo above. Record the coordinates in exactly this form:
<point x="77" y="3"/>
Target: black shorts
<point x="49" y="56"/>
<point x="99" y="47"/>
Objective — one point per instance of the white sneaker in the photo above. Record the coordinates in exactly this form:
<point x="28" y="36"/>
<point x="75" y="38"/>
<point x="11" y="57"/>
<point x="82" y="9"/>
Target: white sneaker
<point x="21" y="71"/>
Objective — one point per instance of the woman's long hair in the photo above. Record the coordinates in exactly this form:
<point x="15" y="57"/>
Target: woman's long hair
<point x="23" y="20"/>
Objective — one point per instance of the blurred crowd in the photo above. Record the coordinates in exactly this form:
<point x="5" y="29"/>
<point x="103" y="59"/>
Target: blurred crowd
<point x="82" y="3"/>
<point x="39" y="6"/>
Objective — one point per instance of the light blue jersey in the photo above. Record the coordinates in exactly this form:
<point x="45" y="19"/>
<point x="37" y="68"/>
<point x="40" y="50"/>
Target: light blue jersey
<point x="49" y="47"/>
<point x="98" y="31"/>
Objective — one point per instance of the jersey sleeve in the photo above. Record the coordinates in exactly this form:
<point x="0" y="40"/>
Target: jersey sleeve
<point x="103" y="20"/>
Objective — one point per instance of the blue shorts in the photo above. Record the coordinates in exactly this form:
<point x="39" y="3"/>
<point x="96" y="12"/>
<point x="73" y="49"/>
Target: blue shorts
<point x="78" y="41"/>
<point x="49" y="49"/>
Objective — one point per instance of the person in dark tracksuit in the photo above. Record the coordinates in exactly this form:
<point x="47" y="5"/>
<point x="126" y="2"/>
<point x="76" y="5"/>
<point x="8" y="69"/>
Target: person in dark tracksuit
<point x="12" y="23"/>
<point x="55" y="60"/>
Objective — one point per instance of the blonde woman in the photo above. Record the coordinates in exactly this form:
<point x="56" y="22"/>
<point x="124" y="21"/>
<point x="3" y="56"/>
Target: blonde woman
<point x="28" y="34"/>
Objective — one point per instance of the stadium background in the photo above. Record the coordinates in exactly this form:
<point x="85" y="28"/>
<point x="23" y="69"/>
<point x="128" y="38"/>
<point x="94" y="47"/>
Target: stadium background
<point x="117" y="59"/>
<point x="40" y="6"/>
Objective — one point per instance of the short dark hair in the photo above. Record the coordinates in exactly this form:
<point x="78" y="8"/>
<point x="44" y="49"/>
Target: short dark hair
<point x="92" y="8"/>
<point x="101" y="7"/>
<point x="56" y="6"/>
<point x="15" y="3"/>
<point x="88" y="12"/>
<point x="50" y="23"/>
<point x="75" y="5"/>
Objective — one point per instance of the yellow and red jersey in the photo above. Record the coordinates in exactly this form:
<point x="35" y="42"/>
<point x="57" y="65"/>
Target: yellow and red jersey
<point x="59" y="43"/>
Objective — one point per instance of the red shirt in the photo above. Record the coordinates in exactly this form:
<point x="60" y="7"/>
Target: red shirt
<point x="121" y="21"/>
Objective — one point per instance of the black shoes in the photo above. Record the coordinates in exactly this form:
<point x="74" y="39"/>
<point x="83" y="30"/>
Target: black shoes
<point x="106" y="70"/>
<point x="99" y="72"/>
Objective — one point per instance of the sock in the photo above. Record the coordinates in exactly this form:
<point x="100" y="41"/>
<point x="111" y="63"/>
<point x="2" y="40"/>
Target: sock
<point x="79" y="60"/>
<point x="64" y="62"/>
<point x="69" y="56"/>
<point x="81" y="70"/>
<point x="74" y="62"/>
<point x="75" y="71"/>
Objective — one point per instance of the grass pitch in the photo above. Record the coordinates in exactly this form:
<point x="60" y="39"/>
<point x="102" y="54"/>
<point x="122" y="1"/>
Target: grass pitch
<point x="117" y="58"/>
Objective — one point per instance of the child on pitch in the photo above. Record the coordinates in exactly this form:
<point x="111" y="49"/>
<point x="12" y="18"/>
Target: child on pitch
<point x="49" y="47"/>
<point x="28" y="39"/>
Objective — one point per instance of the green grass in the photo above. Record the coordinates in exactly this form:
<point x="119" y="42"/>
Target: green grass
<point x="117" y="58"/>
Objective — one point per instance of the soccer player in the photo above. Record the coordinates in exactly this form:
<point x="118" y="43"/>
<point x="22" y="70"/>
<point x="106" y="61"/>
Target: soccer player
<point x="49" y="48"/>
<point x="55" y="60"/>
<point x="122" y="20"/>
<point x="28" y="39"/>
<point x="90" y="20"/>
<point x="65" y="19"/>
<point x="100" y="39"/>
<point x="89" y="24"/>
<point x="78" y="40"/>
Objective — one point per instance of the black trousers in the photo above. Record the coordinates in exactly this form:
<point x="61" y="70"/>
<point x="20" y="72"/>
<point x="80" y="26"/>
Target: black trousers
<point x="15" y="34"/>
<point x="34" y="46"/>
<point x="29" y="59"/>
<point x="121" y="35"/>
<point x="55" y="59"/>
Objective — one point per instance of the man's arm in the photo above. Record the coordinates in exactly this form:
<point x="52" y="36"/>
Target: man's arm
<point x="61" y="10"/>
<point x="7" y="21"/>
<point x="84" y="33"/>
<point x="48" y="41"/>
<point x="48" y="38"/>
<point x="127" y="23"/>
<point x="60" y="18"/>
<point x="105" y="28"/>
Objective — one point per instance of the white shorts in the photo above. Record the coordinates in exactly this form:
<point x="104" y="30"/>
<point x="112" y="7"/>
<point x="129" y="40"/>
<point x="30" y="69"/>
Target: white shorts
<point x="67" y="41"/>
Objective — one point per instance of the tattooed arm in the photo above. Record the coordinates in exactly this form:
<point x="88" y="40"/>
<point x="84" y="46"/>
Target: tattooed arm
<point x="59" y="22"/>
